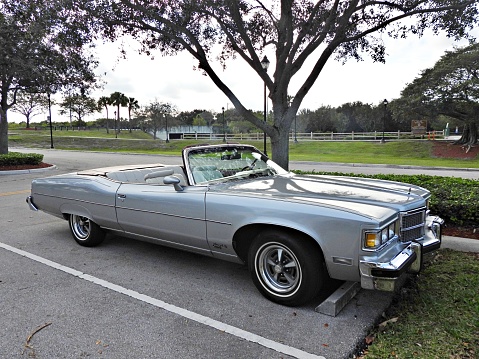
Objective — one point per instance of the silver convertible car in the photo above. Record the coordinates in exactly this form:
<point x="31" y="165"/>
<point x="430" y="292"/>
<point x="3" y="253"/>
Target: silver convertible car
<point x="232" y="202"/>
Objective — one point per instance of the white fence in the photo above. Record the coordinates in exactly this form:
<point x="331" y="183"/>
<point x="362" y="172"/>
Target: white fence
<point x="314" y="136"/>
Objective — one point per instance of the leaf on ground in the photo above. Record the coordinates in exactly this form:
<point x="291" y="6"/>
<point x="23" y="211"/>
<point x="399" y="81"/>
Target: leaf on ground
<point x="386" y="322"/>
<point x="369" y="339"/>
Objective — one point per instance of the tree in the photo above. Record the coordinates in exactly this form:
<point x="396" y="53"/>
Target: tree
<point x="324" y="119"/>
<point x="78" y="106"/>
<point x="43" y="50"/>
<point x="186" y="118"/>
<point x="104" y="102"/>
<point x="450" y="88"/>
<point x="118" y="99"/>
<point x="154" y="114"/>
<point x="359" y="117"/>
<point x="30" y="105"/>
<point x="132" y="106"/>
<point x="293" y="30"/>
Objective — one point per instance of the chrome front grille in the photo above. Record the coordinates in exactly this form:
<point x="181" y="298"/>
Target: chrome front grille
<point x="412" y="225"/>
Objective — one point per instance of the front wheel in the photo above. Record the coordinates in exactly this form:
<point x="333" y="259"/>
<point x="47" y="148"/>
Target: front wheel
<point x="287" y="269"/>
<point x="85" y="232"/>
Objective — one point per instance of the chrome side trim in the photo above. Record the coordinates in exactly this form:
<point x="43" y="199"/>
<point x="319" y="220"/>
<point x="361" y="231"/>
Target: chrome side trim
<point x="77" y="200"/>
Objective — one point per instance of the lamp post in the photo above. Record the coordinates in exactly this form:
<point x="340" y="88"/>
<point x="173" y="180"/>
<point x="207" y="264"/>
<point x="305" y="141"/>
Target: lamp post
<point x="385" y="103"/>
<point x="166" y="125"/>
<point x="50" y="119"/>
<point x="264" y="65"/>
<point x="224" y="124"/>
<point x="116" y="125"/>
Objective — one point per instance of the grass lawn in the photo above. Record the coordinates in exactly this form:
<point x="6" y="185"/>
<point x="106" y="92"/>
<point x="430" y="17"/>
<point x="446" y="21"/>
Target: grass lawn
<point x="435" y="315"/>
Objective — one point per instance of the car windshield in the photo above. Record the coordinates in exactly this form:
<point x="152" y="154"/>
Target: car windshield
<point x="224" y="163"/>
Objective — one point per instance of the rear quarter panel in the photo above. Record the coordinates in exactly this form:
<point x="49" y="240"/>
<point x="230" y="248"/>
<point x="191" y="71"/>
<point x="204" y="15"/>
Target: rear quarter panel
<point x="90" y="196"/>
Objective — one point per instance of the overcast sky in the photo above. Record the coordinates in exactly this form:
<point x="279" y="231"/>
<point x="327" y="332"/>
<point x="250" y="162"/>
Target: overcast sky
<point x="173" y="79"/>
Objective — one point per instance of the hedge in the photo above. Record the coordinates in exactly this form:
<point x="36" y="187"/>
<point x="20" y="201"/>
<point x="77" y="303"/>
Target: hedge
<point x="456" y="200"/>
<point x="18" y="159"/>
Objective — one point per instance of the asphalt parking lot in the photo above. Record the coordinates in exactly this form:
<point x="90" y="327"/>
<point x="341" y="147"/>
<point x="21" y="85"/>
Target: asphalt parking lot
<point x="130" y="299"/>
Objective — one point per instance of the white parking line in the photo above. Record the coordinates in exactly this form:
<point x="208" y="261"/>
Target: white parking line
<point x="240" y="333"/>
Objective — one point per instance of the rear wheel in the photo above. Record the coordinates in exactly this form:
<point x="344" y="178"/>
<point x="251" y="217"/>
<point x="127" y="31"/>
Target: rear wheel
<point x="85" y="232"/>
<point x="286" y="268"/>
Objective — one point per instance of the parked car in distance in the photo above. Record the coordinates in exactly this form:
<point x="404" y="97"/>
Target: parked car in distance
<point x="232" y="202"/>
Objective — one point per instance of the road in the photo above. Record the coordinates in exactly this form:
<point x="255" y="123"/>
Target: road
<point x="130" y="299"/>
<point x="357" y="168"/>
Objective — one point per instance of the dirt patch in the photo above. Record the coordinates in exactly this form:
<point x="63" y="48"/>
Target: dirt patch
<point x="25" y="167"/>
<point x="445" y="149"/>
<point x="463" y="232"/>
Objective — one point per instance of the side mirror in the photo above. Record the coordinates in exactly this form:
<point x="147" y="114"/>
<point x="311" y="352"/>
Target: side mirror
<point x="175" y="181"/>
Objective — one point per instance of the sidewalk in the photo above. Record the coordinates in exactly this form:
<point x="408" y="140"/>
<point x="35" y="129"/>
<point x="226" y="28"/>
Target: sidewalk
<point x="460" y="244"/>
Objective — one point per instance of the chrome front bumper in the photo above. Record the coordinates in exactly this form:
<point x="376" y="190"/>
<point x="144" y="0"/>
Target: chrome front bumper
<point x="386" y="275"/>
<point x="31" y="204"/>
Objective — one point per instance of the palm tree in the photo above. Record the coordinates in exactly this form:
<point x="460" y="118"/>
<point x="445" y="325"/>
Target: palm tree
<point x="104" y="102"/>
<point x="118" y="99"/>
<point x="132" y="105"/>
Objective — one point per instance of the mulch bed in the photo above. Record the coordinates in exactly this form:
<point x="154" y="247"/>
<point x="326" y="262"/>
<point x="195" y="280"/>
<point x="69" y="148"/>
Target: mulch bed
<point x="445" y="149"/>
<point x="25" y="167"/>
<point x="463" y="232"/>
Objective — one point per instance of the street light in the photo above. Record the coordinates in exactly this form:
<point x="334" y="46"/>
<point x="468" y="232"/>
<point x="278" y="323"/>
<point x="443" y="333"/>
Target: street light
<point x="211" y="126"/>
<point x="166" y="125"/>
<point x="50" y="119"/>
<point x="116" y="125"/>
<point x="385" y="103"/>
<point x="264" y="65"/>
<point x="224" y="124"/>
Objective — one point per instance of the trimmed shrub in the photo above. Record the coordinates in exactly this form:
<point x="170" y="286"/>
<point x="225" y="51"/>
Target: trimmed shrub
<point x="18" y="159"/>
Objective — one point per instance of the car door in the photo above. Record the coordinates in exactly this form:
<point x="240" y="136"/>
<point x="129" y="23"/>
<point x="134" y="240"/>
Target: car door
<point x="159" y="212"/>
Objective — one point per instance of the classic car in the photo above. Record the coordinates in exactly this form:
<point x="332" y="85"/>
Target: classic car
<point x="232" y="202"/>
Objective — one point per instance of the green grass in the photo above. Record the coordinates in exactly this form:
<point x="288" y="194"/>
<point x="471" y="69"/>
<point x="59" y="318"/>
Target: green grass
<point x="437" y="313"/>
<point x="101" y="133"/>
<point x="405" y="152"/>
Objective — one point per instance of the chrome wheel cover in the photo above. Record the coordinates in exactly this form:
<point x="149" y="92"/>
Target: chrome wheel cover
<point x="80" y="226"/>
<point x="278" y="269"/>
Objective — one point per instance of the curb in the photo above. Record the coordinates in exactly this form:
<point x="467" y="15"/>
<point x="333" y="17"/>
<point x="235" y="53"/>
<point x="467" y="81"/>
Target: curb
<point x="466" y="169"/>
<point x="460" y="244"/>
<point x="33" y="170"/>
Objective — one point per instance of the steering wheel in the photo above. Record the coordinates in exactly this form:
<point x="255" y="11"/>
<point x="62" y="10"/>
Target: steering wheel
<point x="251" y="166"/>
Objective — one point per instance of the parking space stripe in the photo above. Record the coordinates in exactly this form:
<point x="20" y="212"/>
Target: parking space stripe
<point x="14" y="192"/>
<point x="237" y="332"/>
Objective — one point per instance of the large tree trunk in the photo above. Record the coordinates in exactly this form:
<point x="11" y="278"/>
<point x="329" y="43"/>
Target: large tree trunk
<point x="280" y="148"/>
<point x="3" y="132"/>
<point x="279" y="132"/>
<point x="469" y="135"/>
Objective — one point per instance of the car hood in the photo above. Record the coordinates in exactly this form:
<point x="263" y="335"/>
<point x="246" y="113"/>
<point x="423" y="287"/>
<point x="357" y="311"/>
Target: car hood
<point x="367" y="197"/>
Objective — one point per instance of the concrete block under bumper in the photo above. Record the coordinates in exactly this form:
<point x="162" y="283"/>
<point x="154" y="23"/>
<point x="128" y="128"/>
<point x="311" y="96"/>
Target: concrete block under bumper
<point x="338" y="300"/>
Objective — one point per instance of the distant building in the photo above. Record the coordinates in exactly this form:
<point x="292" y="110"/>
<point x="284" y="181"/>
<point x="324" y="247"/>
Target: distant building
<point x="178" y="132"/>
